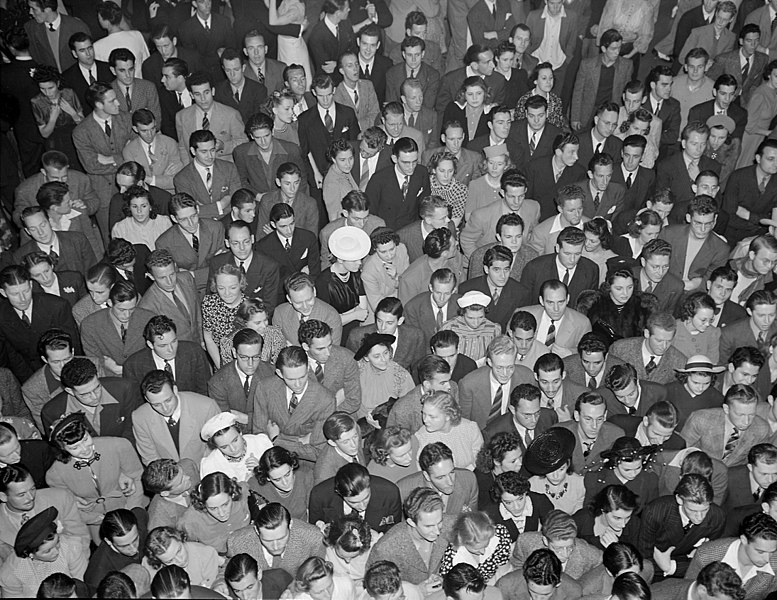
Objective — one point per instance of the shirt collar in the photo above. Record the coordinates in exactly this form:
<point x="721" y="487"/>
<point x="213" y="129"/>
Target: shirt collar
<point x="54" y="245"/>
<point x="160" y="362"/>
<point x="731" y="558"/>
<point x="205" y="22"/>
<point x="646" y="354"/>
<point x="289" y="394"/>
<point x="547" y="15"/>
<point x="28" y="311"/>
<point x="56" y="22"/>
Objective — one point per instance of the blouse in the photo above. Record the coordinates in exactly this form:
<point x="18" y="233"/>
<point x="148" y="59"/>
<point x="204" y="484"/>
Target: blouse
<point x="21" y="577"/>
<point x="568" y="496"/>
<point x="473" y="342"/>
<point x="455" y="195"/>
<point x="340" y="295"/>
<point x="41" y="109"/>
<point x="147" y="233"/>
<point x="296" y="501"/>
<point x="555" y="108"/>
<point x="217" y="317"/>
<point x="495" y="555"/>
<point x="632" y="18"/>
<point x="274" y="342"/>
<point x="336" y="185"/>
<point x="290" y="134"/>
<point x="464" y="440"/>
<point x="691" y="344"/>
<point x="379" y="386"/>
<point x="256" y="445"/>
<point x="200" y="526"/>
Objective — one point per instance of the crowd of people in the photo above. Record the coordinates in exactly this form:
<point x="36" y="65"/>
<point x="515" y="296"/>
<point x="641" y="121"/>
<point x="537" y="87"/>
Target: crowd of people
<point x="352" y="300"/>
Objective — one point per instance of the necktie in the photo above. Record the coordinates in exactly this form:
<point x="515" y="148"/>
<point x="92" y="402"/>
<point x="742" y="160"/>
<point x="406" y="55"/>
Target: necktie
<point x="588" y="447"/>
<point x="356" y="98"/>
<point x="438" y="319"/>
<point x="731" y="444"/>
<point x="123" y="329"/>
<point x="687" y="527"/>
<point x="207" y="27"/>
<point x="171" y="422"/>
<point x="658" y="108"/>
<point x="180" y="99"/>
<point x="756" y="495"/>
<point x="496" y="405"/>
<point x="51" y="27"/>
<point x="168" y="367"/>
<point x="762" y="184"/>
<point x="366" y="71"/>
<point x="91" y="77"/>
<point x="412" y="73"/>
<point x="293" y="403"/>
<point x="592" y="383"/>
<point x="631" y="410"/>
<point x="195" y="243"/>
<point x="181" y="307"/>
<point x="495" y="295"/>
<point x="205" y="122"/>
<point x="53" y="255"/>
<point x="209" y="181"/>
<point x="651" y="366"/>
<point x="259" y="75"/>
<point x="745" y="70"/>
<point x="242" y="268"/>
<point x="365" y="177"/>
<point x="151" y="156"/>
<point x="247" y="385"/>
<point x="411" y="121"/>
<point x="237" y="97"/>
<point x="527" y="438"/>
<point x="533" y="143"/>
<point x="287" y="245"/>
<point x="405" y="185"/>
<point x="565" y="281"/>
<point x="328" y="123"/>
<point x="629" y="181"/>
<point x="649" y="288"/>
<point x="551" y="339"/>
<point x="493" y="11"/>
<point x="598" y="148"/>
<point x="319" y="372"/>
<point x="129" y="100"/>
<point x="107" y="129"/>
<point x="693" y="170"/>
<point x="597" y="201"/>
<point x="26" y="319"/>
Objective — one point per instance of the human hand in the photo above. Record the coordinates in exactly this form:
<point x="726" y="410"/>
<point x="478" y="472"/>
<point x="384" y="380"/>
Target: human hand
<point x="608" y="537"/>
<point x="743" y="213"/>
<point x="273" y="429"/>
<point x="170" y="170"/>
<point x="371" y="420"/>
<point x="55" y="110"/>
<point x="240" y="416"/>
<point x="105" y="160"/>
<point x="79" y="204"/>
<point x="252" y="462"/>
<point x="564" y="414"/>
<point x="267" y="229"/>
<point x="224" y="203"/>
<point x="390" y="269"/>
<point x="112" y="366"/>
<point x="329" y="66"/>
<point x="219" y="145"/>
<point x="431" y="585"/>
<point x="126" y="484"/>
<point x="692" y="284"/>
<point x="360" y="313"/>
<point x="663" y="559"/>
<point x="576" y="125"/>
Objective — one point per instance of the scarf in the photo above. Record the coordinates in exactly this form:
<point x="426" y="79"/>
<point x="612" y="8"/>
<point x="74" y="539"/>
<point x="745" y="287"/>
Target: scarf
<point x="744" y="266"/>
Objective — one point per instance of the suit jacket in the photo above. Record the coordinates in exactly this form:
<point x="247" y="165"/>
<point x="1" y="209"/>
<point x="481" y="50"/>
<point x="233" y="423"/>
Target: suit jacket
<point x="410" y="345"/>
<point x="542" y="268"/>
<point x="115" y="417"/>
<point x="610" y="200"/>
<point x="192" y="35"/>
<point x="419" y="314"/>
<point x="762" y="18"/>
<point x="426" y="75"/>
<point x="273" y="72"/>
<point x="152" y="435"/>
<point x="152" y="66"/>
<point x="307" y="420"/>
<point x="567" y="34"/>
<point x="573" y="367"/>
<point x="315" y="139"/>
<point x="74" y="79"/>
<point x="450" y="84"/>
<point x="226" y="389"/>
<point x="519" y="133"/>
<point x="584" y="556"/>
<point x="739" y="489"/>
<point x="341" y="372"/>
<point x="425" y="121"/>
<point x="102" y="338"/>
<point x="731" y="313"/>
<point x="75" y="253"/>
<point x="587" y="88"/>
<point x="612" y="146"/>
<point x="386" y="199"/>
<point x="383" y="511"/>
<point x="47" y="311"/>
<point x="480" y="20"/>
<point x="251" y="100"/>
<point x="225" y="123"/>
<point x="634" y="197"/>
<point x="574" y="326"/>
<point x="368" y="108"/>
<point x="505" y="424"/>
<point x="191" y="367"/>
<point x="630" y="424"/>
<point x="168" y="103"/>
<point x="607" y="435"/>
<point x="226" y="182"/>
<point x="158" y="302"/>
<point x="705" y="429"/>
<point x="742" y="190"/>
<point x="79" y="186"/>
<point x="457" y="112"/>
<point x="464" y="497"/>
<point x="263" y="276"/>
<point x="143" y="95"/>
<point x="672" y="173"/>
<point x="687" y="22"/>
<point x="475" y="392"/>
<point x="90" y="140"/>
<point x="543" y="187"/>
<point x="40" y="48"/>
<point x="406" y="411"/>
<point x="166" y="155"/>
<point x="670" y="121"/>
<point x="512" y="294"/>
<point x="737" y="335"/>
<point x="480" y="228"/>
<point x="630" y="351"/>
<point x="729" y="62"/>
<point x="287" y="319"/>
<point x="380" y="66"/>
<point x="669" y="290"/>
<point x="704" y="37"/>
<point x="71" y="286"/>
<point x="324" y="46"/>
<point x="651" y="393"/>
<point x="305" y="540"/>
<point x="250" y="166"/>
<point x="712" y="254"/>
<point x="412" y="237"/>
<point x="211" y="237"/>
<point x="304" y="252"/>
<point x="702" y="112"/>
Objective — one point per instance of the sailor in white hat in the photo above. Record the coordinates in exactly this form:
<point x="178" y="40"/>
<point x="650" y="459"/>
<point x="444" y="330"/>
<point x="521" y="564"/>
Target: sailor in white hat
<point x="232" y="452"/>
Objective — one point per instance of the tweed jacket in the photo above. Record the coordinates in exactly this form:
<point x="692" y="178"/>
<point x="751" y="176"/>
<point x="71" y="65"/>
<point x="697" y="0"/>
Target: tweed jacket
<point x="305" y="540"/>
<point x="377" y="282"/>
<point x="75" y="252"/>
<point x="475" y="396"/>
<point x="143" y="95"/>
<point x="288" y="319"/>
<point x="740" y="334"/>
<point x="464" y="497"/>
<point x="584" y="557"/>
<point x="11" y="402"/>
<point x="341" y="377"/>
<point x="419" y="314"/>
<point x="669" y="291"/>
<point x="506" y="424"/>
<point x="587" y="86"/>
<point x="729" y="62"/>
<point x="225" y="123"/>
<point x="315" y="405"/>
<point x="368" y="108"/>
<point x="273" y="74"/>
<point x="573" y="367"/>
<point x="226" y="388"/>
<point x="90" y="140"/>
<point x="40" y="48"/>
<point x="397" y="546"/>
<point x="406" y="412"/>
<point x="383" y="511"/>
<point x="262" y="276"/>
<point x="480" y="228"/>
<point x="705" y="429"/>
<point x="574" y="325"/>
<point x="607" y="435"/>
<point x="101" y="336"/>
<point x="226" y="182"/>
<point x="252" y="97"/>
<point x="330" y="461"/>
<point x="410" y="343"/>
<point x="762" y="18"/>
<point x="211" y="237"/>
<point x="426" y="75"/>
<point x="190" y="370"/>
<point x="159" y="302"/>
<point x="251" y="169"/>
<point x="152" y="435"/>
<point x="630" y="351"/>
<point x="79" y="185"/>
<point x="167" y="159"/>
<point x="712" y="254"/>
<point x="704" y="37"/>
<point x="545" y="235"/>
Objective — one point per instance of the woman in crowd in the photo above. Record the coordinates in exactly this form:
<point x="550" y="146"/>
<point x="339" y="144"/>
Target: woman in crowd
<point x="348" y="540"/>
<point x="382" y="269"/>
<point x="340" y="285"/>
<point x="443" y="183"/>
<point x="280" y="477"/>
<point x="619" y="312"/>
<point x="695" y="332"/>
<point x="480" y="543"/>
<point x="220" y="306"/>
<point x="292" y="49"/>
<point x="513" y="504"/>
<point x="381" y="377"/>
<point x="443" y="423"/>
<point x="470" y="108"/>
<point x="623" y="465"/>
<point x="316" y="580"/>
<point x="488" y="188"/>
<point x="394" y="453"/>
<point x="123" y="533"/>
<point x="549" y="461"/>
<point x="472" y="326"/>
<point x="103" y="473"/>
<point x="233" y="453"/>
<point x="761" y="109"/>
<point x="695" y="387"/>
<point x="501" y="454"/>
<point x="253" y="314"/>
<point x="141" y="223"/>
<point x="543" y="79"/>
<point x="598" y="244"/>
<point x="99" y="281"/>
<point x="57" y="111"/>
<point x="338" y="180"/>
<point x="645" y="227"/>
<point x="167" y="546"/>
<point x="285" y="125"/>
<point x="610" y="517"/>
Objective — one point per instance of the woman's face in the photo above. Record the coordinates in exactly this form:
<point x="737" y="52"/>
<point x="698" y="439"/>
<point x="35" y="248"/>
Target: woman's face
<point x="621" y="290"/>
<point x="284" y="111"/>
<point x="228" y="288"/>
<point x="50" y="90"/>
<point x="99" y="292"/>
<point x="511" y="461"/>
<point x="140" y="209"/>
<point x="444" y="172"/>
<point x="477" y="547"/>
<point x="702" y="320"/>
<point x="773" y="79"/>
<point x="628" y="470"/>
<point x="402" y="455"/>
<point x="379" y="357"/>
<point x="321" y="589"/>
<point x="258" y="322"/>
<point x="474" y="96"/>
<point x="474" y="317"/>
<point x="592" y="242"/>
<point x="434" y="419"/>
<point x="387" y="252"/>
<point x="82" y="450"/>
<point x="698" y="383"/>
<point x="496" y="166"/>
<point x="559" y="475"/>
<point x="43" y="273"/>
<point x="219" y="507"/>
<point x="344" y="161"/>
<point x="515" y="505"/>
<point x="352" y="266"/>
<point x="282" y="478"/>
<point x="231" y="444"/>
<point x="505" y="61"/>
<point x="649" y="233"/>
<point x="545" y="80"/>
<point x="176" y="554"/>
<point x="617" y="519"/>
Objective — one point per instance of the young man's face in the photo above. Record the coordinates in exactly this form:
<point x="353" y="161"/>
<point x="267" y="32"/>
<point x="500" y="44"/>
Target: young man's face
<point x="203" y="96"/>
<point x="165" y="46"/>
<point x="255" y="49"/>
<point x="368" y="47"/>
<point x="84" y="53"/>
<point x="325" y="97"/>
<point x="124" y="71"/>
<point x="233" y="69"/>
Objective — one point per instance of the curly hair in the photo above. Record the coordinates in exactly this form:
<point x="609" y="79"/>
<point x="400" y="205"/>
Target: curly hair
<point x="274" y="457"/>
<point x="444" y="402"/>
<point x="349" y="532"/>
<point x="213" y="485"/>
<point x="494" y="451"/>
<point x="228" y="269"/>
<point x="694" y="303"/>
<point x="385" y="440"/>
<point x="511" y="483"/>
<point x="158" y="541"/>
<point x="441" y="155"/>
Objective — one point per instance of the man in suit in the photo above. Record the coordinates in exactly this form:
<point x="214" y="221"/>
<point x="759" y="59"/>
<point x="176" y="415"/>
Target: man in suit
<point x="658" y="427"/>
<point x="165" y="41"/>
<point x="457" y="487"/>
<point x="603" y="198"/>
<point x="394" y="121"/>
<point x="107" y="402"/>
<point x="433" y="211"/>
<point x="86" y="70"/>
<point x="292" y="408"/>
<point x="491" y="21"/>
<point x="207" y="34"/>
<point x="49" y="33"/>
<point x="567" y="265"/>
<point x="330" y="37"/>
<point x="719" y="286"/>
<point x="234" y="385"/>
<point x="237" y="91"/>
<point x="505" y="292"/>
<point x="323" y="123"/>
<point x="654" y="276"/>
<point x="430" y="309"/>
<point x="661" y="104"/>
<point x="452" y="138"/>
<point x="408" y="346"/>
<point x="588" y="91"/>
<point x="549" y="175"/>
<point x="756" y="330"/>
<point x="557" y="394"/>
<point x="478" y="61"/>
<point x="636" y="179"/>
<point x="418" y="115"/>
<point x="331" y="365"/>
<point x="173" y="95"/>
<point x="375" y="499"/>
<point x="525" y="417"/>
<point x="302" y="305"/>
<point x="746" y="63"/>
<point x="591" y="363"/>
<point x="679" y="171"/>
<point x="522" y="328"/>
<point x="600" y="137"/>
<point x="129" y="260"/>
<point x="509" y="233"/>
<point x="260" y="67"/>
<point x="625" y="394"/>
<point x="747" y="483"/>
<point x="373" y="65"/>
<point x="132" y="92"/>
<point x="289" y="188"/>
<point x="762" y="18"/>
<point x="191" y="242"/>
<point x="395" y="191"/>
<point x="499" y="124"/>
<point x="724" y="94"/>
<point x="413" y="67"/>
<point x="168" y="424"/>
<point x="534" y="135"/>
<point x="356" y="93"/>
<point x="99" y="141"/>
<point x="155" y="152"/>
<point x="185" y="361"/>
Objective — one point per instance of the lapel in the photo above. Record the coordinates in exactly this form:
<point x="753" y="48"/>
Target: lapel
<point x="186" y="426"/>
<point x="183" y="246"/>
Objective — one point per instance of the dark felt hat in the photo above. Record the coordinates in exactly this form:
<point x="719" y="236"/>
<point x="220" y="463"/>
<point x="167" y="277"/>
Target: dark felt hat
<point x="372" y="340"/>
<point x="549" y="451"/>
<point x="35" y="531"/>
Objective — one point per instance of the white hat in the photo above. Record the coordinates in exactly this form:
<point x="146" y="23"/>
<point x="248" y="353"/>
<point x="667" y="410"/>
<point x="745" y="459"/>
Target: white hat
<point x="349" y="243"/>
<point x="474" y="297"/>
<point x="216" y="424"/>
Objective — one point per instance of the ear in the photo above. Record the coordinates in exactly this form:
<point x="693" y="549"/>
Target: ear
<point x="2" y="293"/>
<point x="150" y="345"/>
<point x="113" y="71"/>
<point x="688" y="217"/>
<point x="70" y="391"/>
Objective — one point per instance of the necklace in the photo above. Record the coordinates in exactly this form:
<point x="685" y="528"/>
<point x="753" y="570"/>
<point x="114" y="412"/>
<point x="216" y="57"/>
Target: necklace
<point x="556" y="495"/>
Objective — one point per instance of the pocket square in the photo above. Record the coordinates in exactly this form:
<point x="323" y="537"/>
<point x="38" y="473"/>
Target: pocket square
<point x="304" y="254"/>
<point x="387" y="520"/>
<point x="612" y="210"/>
<point x="259" y="289"/>
<point x="69" y="290"/>
<point x="346" y="128"/>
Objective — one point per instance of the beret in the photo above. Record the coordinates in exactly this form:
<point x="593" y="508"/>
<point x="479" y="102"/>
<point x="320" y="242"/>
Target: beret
<point x="35" y="531"/>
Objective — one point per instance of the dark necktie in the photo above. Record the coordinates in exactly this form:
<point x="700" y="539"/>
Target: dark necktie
<point x="745" y="70"/>
<point x="107" y="129"/>
<point x="756" y="495"/>
<point x="651" y="366"/>
<point x="26" y="319"/>
<point x="195" y="243"/>
<point x="366" y="71"/>
<point x="629" y="181"/>
<point x="205" y="122"/>
<point x="328" y="122"/>
<point x="438" y="319"/>
<point x="405" y="185"/>
<point x="411" y="121"/>
<point x="207" y="27"/>
<point x="237" y="97"/>
<point x="356" y="98"/>
<point x="168" y="367"/>
<point x="53" y="255"/>
<point x="242" y="268"/>
<point x="597" y="201"/>
<point x="495" y="295"/>
<point x="129" y="100"/>
<point x="588" y="447"/>
<point x="180" y="99"/>
<point x="123" y="329"/>
<point x="287" y="245"/>
<point x="293" y="403"/>
<point x="247" y="385"/>
<point x="51" y="27"/>
<point x="209" y="181"/>
<point x="91" y="77"/>
<point x="731" y="444"/>
<point x="365" y="176"/>
<point x="179" y="304"/>
<point x="687" y="527"/>
<point x="598" y="148"/>
<point x="565" y="280"/>
<point x="649" y="288"/>
<point x="551" y="339"/>
<point x="412" y="73"/>
<point x="493" y="11"/>
<point x="496" y="405"/>
<point x="658" y="108"/>
<point x="527" y="438"/>
<point x="592" y="383"/>
<point x="631" y="410"/>
<point x="319" y="372"/>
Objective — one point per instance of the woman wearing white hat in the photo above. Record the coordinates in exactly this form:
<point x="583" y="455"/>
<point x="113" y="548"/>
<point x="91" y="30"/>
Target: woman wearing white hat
<point x="341" y="284"/>
<point x="472" y="326"/>
<point x="232" y="452"/>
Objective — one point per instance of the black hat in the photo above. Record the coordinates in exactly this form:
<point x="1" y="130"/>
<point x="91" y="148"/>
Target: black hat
<point x="626" y="449"/>
<point x="549" y="451"/>
<point x="35" y="531"/>
<point x="372" y="340"/>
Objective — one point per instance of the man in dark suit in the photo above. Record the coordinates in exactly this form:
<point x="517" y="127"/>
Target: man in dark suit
<point x="107" y="402"/>
<point x="699" y="16"/>
<point x="372" y="65"/>
<point x="499" y="124"/>
<point x="761" y="308"/>
<point x="244" y="95"/>
<point x="49" y="33"/>
<point x="375" y="499"/>
<point x="731" y="62"/>
<point x="260" y="67"/>
<point x="321" y="124"/>
<point x="547" y="175"/>
<point x="206" y="33"/>
<point x="567" y="265"/>
<point x="330" y="37"/>
<point x="87" y="70"/>
<point x="654" y="277"/>
<point x="658" y="427"/>
<point x="395" y="191"/>
<point x="625" y="394"/>
<point x="724" y="93"/>
<point x="292" y="248"/>
<point x="534" y="135"/>
<point x="600" y="138"/>
<point x="479" y="60"/>
<point x="262" y="272"/>
<point x="602" y="197"/>
<point x="69" y="285"/>
<point x="430" y="309"/>
<point x="747" y="200"/>
<point x="591" y="363"/>
<point x="413" y="67"/>
<point x="36" y="456"/>
<point x="186" y="361"/>
<point x="666" y="108"/>
<point x="173" y="94"/>
<point x="747" y="483"/>
<point x="525" y="417"/>
<point x="433" y="211"/>
<point x="637" y="180"/>
<point x="719" y="286"/>
<point x="164" y="39"/>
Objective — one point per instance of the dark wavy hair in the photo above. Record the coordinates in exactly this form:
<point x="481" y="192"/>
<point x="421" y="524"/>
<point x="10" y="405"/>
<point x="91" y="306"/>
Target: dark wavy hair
<point x="275" y="457"/>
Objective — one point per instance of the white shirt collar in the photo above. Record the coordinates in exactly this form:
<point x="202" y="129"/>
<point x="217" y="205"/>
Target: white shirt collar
<point x="203" y="172"/>
<point x="28" y="311"/>
<point x="56" y="23"/>
<point x="322" y="112"/>
<point x="205" y="22"/>
<point x="731" y="558"/>
<point x="646" y="354"/>
<point x="289" y="394"/>
<point x="160" y="362"/>
<point x="54" y="245"/>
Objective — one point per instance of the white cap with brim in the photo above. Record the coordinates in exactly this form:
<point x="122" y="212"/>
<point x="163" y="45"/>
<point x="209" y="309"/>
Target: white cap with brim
<point x="473" y="297"/>
<point x="216" y="424"/>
